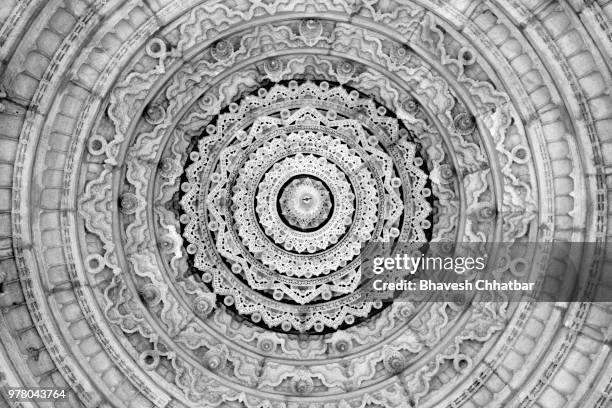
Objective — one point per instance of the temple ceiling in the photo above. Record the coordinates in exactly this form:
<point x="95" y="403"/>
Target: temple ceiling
<point x="186" y="188"/>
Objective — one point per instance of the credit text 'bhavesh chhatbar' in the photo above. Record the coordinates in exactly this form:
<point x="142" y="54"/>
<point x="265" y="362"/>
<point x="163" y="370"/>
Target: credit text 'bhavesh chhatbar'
<point x="429" y="285"/>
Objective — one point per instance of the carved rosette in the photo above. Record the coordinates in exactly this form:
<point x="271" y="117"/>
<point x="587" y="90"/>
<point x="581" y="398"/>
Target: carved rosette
<point x="305" y="203"/>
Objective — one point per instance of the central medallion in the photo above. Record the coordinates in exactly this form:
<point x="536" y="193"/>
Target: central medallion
<point x="305" y="203"/>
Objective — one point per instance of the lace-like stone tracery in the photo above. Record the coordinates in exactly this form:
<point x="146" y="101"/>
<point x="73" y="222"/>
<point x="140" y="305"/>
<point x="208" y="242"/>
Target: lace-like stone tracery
<point x="284" y="192"/>
<point x="286" y="186"/>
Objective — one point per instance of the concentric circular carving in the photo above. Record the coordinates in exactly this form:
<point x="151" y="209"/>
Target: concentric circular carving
<point x="301" y="181"/>
<point x="188" y="190"/>
<point x="298" y="187"/>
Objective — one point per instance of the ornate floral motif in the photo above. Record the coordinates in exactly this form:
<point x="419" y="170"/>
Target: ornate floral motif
<point x="285" y="187"/>
<point x="290" y="143"/>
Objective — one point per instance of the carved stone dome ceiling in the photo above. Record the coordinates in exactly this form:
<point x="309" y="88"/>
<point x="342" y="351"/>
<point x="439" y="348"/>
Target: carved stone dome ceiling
<point x="186" y="188"/>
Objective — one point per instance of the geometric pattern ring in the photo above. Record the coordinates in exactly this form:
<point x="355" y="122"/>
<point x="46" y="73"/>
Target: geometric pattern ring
<point x="305" y="203"/>
<point x="302" y="181"/>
